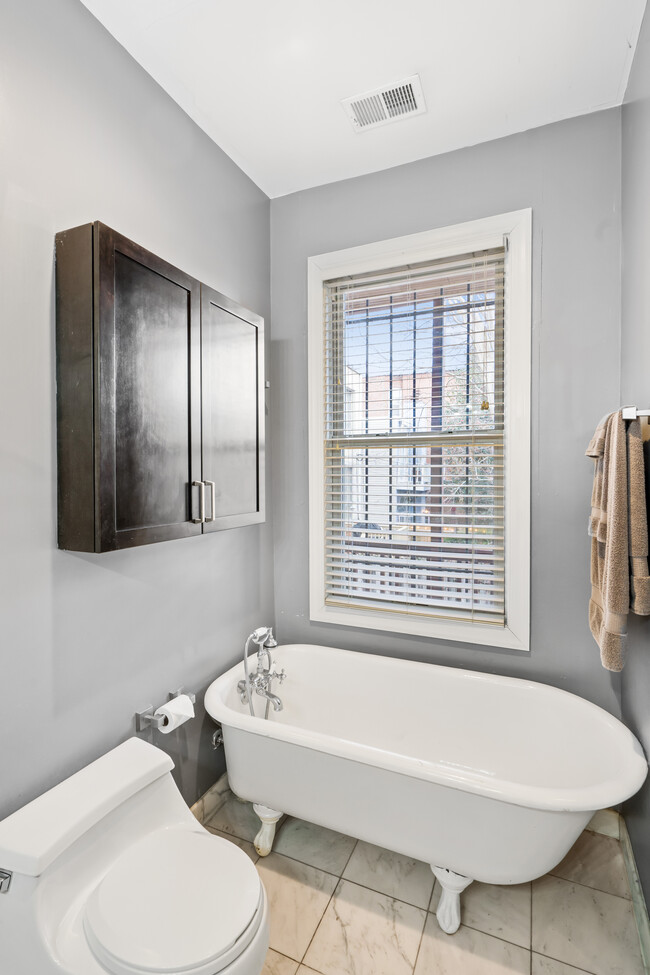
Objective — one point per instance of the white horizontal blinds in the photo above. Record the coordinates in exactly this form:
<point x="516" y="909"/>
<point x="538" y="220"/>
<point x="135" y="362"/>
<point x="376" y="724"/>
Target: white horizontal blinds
<point x="414" y="447"/>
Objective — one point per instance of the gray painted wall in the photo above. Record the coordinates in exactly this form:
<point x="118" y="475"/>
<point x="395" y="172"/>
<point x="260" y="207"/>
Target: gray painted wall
<point x="88" y="640"/>
<point x="635" y="388"/>
<point x="569" y="173"/>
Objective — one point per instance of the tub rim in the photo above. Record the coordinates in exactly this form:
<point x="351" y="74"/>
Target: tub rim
<point x="632" y="771"/>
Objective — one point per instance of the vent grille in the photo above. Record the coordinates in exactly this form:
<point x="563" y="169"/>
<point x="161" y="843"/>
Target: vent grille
<point x="385" y="105"/>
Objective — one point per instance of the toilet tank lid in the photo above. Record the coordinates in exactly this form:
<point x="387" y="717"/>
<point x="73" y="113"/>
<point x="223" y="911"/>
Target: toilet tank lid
<point x="34" y="836"/>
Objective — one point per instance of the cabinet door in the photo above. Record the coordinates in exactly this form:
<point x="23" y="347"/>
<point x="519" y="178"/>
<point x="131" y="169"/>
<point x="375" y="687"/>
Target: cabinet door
<point x="147" y="395"/>
<point x="232" y="342"/>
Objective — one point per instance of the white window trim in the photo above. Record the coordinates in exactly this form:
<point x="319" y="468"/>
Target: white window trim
<point x="431" y="245"/>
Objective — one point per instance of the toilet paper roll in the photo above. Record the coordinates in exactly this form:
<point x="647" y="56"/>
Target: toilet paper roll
<point x="177" y="711"/>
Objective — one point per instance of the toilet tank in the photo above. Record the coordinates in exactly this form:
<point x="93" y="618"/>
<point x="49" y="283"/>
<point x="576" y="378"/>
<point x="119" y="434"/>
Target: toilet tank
<point x="33" y="837"/>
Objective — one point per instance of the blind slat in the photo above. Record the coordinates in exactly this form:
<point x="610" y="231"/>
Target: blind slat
<point x="414" y="378"/>
<point x="402" y="599"/>
<point x="420" y="583"/>
<point x="434" y="551"/>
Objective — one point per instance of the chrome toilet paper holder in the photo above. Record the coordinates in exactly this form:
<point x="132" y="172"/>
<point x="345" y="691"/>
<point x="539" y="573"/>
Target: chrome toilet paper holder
<point x="148" y="719"/>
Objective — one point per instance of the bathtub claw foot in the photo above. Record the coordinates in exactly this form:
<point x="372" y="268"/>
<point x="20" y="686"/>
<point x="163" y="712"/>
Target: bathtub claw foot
<point x="453" y="884"/>
<point x="264" y="839"/>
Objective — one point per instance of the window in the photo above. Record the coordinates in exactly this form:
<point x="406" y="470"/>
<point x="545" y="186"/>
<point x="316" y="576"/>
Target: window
<point x="419" y="355"/>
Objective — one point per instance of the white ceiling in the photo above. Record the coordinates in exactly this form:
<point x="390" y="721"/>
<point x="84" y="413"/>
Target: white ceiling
<point x="265" y="79"/>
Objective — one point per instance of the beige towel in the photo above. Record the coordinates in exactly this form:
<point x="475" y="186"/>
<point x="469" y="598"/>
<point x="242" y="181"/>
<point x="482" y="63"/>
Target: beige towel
<point x="619" y="530"/>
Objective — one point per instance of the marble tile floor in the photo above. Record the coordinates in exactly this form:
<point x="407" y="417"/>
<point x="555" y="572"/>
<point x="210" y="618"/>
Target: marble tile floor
<point x="340" y="906"/>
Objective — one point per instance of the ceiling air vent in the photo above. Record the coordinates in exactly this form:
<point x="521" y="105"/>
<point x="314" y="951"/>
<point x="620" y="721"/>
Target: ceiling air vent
<point x="385" y="105"/>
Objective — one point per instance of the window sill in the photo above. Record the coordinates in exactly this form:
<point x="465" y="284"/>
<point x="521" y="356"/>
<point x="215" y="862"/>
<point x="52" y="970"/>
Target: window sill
<point x="481" y="634"/>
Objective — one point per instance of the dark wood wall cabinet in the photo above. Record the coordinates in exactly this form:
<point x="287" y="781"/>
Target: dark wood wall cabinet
<point x="160" y="399"/>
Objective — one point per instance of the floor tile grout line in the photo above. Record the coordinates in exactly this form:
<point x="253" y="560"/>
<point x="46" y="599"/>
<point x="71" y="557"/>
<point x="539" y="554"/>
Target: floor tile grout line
<point x="417" y="953"/>
<point x="318" y="924"/>
<point x="303" y="863"/>
<point x="507" y="941"/>
<point x="531" y="951"/>
<point x="373" y="890"/>
<point x="283" y="954"/>
<point x="433" y="890"/>
<point x="314" y="866"/>
<point x="582" y="971"/>
<point x="530" y="929"/>
<point x="496" y="937"/>
<point x="326" y="906"/>
<point x="341" y="880"/>
<point x="320" y="921"/>
<point x="316" y="970"/>
<point x="427" y="910"/>
<point x="391" y="897"/>
<point x="416" y="907"/>
<point x="588" y="886"/>
<point x="347" y="862"/>
<point x="486" y="934"/>
<point x="288" y="856"/>
<point x="308" y="864"/>
<point x="236" y="836"/>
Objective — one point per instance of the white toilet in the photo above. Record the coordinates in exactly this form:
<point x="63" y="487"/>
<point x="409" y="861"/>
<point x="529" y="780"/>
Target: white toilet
<point x="110" y="872"/>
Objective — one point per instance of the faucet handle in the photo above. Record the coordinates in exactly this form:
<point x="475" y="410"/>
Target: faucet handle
<point x="279" y="676"/>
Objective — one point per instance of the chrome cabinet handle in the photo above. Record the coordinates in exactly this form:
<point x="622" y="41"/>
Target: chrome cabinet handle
<point x="213" y="495"/>
<point x="201" y="486"/>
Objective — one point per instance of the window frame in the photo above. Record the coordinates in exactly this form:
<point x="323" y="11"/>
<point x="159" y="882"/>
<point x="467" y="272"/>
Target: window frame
<point x="443" y="242"/>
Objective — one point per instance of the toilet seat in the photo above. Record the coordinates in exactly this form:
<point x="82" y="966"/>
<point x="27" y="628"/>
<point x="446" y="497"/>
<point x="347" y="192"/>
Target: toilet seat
<point x="179" y="901"/>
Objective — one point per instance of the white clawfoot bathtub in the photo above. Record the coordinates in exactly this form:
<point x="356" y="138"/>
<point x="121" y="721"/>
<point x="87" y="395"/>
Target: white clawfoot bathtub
<point x="486" y="778"/>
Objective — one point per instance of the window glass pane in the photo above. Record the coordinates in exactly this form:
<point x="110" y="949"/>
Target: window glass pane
<point x="419" y="358"/>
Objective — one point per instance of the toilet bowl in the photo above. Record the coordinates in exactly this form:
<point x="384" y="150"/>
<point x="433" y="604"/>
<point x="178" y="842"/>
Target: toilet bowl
<point x="109" y="872"/>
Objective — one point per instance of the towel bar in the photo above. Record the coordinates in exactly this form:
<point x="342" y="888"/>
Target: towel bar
<point x="631" y="412"/>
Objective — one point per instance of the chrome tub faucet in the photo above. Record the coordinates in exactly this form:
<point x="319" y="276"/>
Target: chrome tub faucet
<point x="260" y="681"/>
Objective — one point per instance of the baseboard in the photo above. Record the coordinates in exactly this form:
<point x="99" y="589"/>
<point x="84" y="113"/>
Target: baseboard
<point x="638" y="900"/>
<point x="205" y="807"/>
